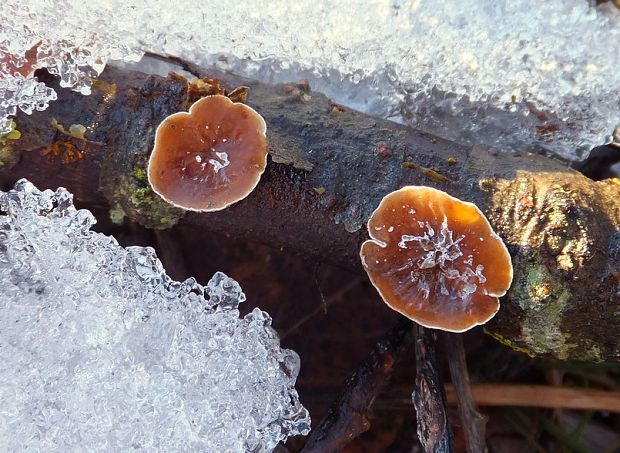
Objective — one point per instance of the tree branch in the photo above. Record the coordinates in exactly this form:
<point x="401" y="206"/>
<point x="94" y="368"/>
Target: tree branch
<point x="329" y="169"/>
<point x="348" y="417"/>
<point x="428" y="396"/>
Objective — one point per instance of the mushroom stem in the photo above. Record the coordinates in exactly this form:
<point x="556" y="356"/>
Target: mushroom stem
<point x="428" y="396"/>
<point x="472" y="422"/>
<point x="348" y="416"/>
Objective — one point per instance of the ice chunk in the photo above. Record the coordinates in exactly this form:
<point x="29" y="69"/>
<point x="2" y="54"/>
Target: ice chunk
<point x="68" y="39"/>
<point x="102" y="351"/>
<point x="505" y="73"/>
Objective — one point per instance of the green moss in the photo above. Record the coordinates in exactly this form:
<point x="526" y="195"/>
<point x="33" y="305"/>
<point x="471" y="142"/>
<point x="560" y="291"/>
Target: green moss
<point x="136" y="200"/>
<point x="141" y="195"/>
<point x="140" y="174"/>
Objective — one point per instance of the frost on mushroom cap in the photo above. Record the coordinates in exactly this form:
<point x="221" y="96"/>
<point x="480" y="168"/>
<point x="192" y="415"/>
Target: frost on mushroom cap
<point x="436" y="259"/>
<point x="209" y="158"/>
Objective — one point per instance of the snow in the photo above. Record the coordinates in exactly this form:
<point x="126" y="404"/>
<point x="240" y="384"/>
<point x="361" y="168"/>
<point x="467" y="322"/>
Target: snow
<point x="511" y="74"/>
<point x="102" y="351"/>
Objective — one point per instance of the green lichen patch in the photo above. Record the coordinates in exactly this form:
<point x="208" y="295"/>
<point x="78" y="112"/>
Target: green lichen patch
<point x="543" y="299"/>
<point x="533" y="287"/>
<point x="141" y="195"/>
<point x="552" y="223"/>
<point x="589" y="352"/>
<point x="117" y="215"/>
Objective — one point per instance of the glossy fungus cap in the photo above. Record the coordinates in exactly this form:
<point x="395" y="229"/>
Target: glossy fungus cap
<point x="436" y="259"/>
<point x="210" y="157"/>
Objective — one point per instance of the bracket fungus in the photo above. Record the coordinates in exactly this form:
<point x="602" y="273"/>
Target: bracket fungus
<point x="210" y="157"/>
<point x="436" y="259"/>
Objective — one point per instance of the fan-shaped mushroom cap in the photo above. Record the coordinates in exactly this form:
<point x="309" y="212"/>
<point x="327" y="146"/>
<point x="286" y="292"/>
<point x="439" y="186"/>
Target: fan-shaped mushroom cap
<point x="210" y="157"/>
<point x="436" y="259"/>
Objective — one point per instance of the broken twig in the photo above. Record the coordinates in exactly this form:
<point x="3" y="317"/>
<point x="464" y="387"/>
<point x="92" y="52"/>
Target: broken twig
<point x="428" y="396"/>
<point x="472" y="421"/>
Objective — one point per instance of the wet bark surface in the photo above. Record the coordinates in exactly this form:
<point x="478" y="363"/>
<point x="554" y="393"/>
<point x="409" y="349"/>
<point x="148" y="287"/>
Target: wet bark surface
<point x="328" y="170"/>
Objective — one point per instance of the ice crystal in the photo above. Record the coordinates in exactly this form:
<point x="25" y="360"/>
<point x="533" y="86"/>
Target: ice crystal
<point x="223" y="161"/>
<point x="69" y="39"/>
<point x="436" y="269"/>
<point x="514" y="74"/>
<point x="102" y="351"/>
<point x="25" y="93"/>
<point x="218" y="164"/>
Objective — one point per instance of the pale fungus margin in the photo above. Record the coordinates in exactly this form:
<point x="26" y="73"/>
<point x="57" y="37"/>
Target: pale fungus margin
<point x="210" y="157"/>
<point x="436" y="259"/>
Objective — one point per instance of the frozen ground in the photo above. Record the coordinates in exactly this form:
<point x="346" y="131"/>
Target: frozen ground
<point x="515" y="74"/>
<point x="102" y="351"/>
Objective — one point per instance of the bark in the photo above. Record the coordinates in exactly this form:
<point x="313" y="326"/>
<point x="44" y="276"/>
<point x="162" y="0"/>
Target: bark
<point x="349" y="416"/>
<point x="429" y="397"/>
<point x="329" y="169"/>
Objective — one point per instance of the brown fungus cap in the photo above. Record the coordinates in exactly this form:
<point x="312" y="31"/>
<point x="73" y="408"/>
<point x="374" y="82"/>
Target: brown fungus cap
<point x="436" y="259"/>
<point x="209" y="158"/>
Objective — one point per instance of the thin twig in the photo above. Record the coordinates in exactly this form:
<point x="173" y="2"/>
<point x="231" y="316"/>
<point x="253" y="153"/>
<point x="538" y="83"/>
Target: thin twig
<point x="500" y="395"/>
<point x="185" y="65"/>
<point x="322" y="307"/>
<point x="348" y="417"/>
<point x="473" y="422"/>
<point x="428" y="396"/>
<point x="541" y="396"/>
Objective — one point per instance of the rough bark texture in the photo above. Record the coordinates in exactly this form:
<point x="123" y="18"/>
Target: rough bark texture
<point x="428" y="397"/>
<point x="329" y="169"/>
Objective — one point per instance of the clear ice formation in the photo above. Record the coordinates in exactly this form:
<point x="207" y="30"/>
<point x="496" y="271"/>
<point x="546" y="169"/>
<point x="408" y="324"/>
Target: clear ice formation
<point x="223" y="161"/>
<point x="511" y="74"/>
<point x="102" y="351"/>
<point x="439" y="252"/>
